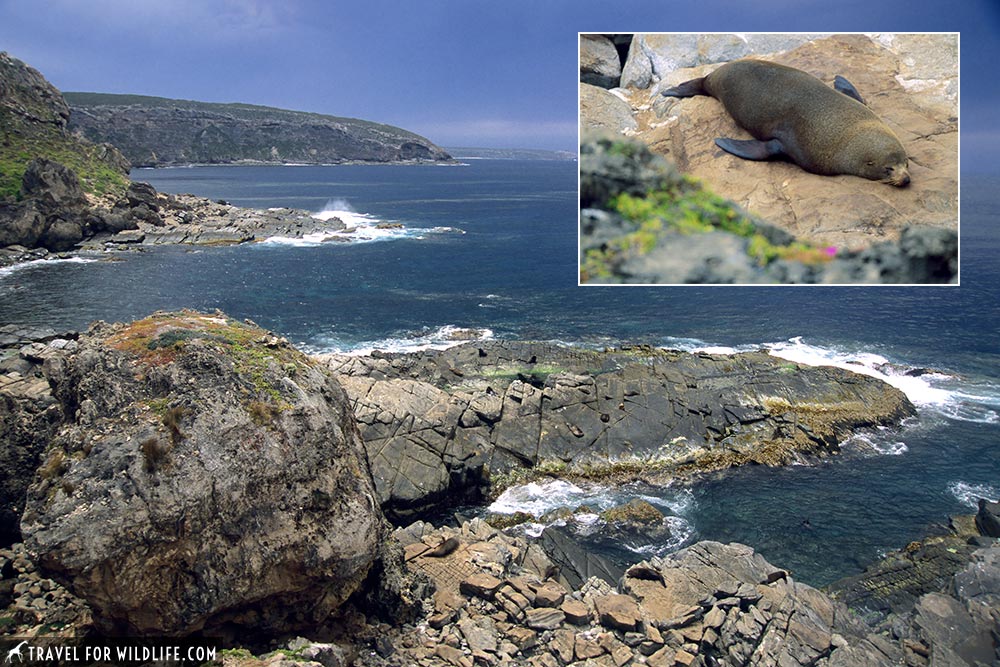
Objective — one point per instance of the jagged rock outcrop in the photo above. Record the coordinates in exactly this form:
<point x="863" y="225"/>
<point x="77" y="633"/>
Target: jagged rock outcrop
<point x="154" y="131"/>
<point x="909" y="81"/>
<point x="33" y="123"/>
<point x="29" y="415"/>
<point x="441" y="423"/>
<point x="207" y="473"/>
<point x="153" y="218"/>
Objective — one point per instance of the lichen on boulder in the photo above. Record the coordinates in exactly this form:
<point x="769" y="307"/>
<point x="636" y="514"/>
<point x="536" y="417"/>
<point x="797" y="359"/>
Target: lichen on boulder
<point x="208" y="474"/>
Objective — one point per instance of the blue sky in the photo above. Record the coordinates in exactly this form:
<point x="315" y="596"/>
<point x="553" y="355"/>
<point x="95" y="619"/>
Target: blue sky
<point x="461" y="72"/>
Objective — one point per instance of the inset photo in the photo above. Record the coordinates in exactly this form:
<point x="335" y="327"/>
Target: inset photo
<point x="753" y="158"/>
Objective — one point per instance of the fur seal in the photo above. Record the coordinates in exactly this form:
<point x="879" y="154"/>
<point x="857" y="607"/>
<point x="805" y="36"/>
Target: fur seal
<point x="793" y="114"/>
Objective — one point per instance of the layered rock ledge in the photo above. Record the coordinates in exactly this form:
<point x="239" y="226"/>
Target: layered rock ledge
<point x="453" y="423"/>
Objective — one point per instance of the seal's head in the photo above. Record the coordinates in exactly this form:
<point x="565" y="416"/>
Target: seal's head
<point x="878" y="155"/>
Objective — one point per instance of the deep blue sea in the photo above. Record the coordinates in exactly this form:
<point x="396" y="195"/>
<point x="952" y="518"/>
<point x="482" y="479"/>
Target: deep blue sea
<point x="492" y="245"/>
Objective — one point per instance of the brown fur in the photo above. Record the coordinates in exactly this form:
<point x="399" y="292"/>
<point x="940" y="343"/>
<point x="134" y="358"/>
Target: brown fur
<point x="821" y="129"/>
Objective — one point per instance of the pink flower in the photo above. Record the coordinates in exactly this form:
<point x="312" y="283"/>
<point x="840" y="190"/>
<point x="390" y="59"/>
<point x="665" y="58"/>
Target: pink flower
<point x="831" y="250"/>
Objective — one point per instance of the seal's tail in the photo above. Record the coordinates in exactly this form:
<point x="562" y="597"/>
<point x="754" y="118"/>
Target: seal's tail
<point x="687" y="89"/>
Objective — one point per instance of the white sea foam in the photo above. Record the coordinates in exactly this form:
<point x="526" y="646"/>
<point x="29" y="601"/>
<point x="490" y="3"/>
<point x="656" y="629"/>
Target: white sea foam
<point x="35" y="263"/>
<point x="698" y="345"/>
<point x="945" y="394"/>
<point x="878" y="441"/>
<point x="537" y="498"/>
<point x="969" y="494"/>
<point x="358" y="228"/>
<point x="680" y="502"/>
<point x="440" y="338"/>
<point x="681" y="531"/>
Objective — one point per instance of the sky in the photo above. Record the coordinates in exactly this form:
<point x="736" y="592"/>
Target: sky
<point x="460" y="72"/>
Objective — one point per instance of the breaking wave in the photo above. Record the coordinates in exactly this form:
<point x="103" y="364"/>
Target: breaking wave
<point x="440" y="338"/>
<point x="358" y="228"/>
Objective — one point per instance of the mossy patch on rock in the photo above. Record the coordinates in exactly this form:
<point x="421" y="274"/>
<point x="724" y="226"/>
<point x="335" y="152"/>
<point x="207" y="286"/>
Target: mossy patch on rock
<point x="257" y="356"/>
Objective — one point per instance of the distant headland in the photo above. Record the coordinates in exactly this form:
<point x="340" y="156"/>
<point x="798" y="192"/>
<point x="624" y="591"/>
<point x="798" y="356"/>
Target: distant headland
<point x="157" y="132"/>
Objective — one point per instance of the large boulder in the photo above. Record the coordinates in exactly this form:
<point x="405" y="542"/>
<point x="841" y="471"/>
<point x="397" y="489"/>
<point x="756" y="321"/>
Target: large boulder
<point x="599" y="62"/>
<point x="602" y="109"/>
<point x="53" y="213"/>
<point x="208" y="474"/>
<point x="21" y="224"/>
<point x="52" y="183"/>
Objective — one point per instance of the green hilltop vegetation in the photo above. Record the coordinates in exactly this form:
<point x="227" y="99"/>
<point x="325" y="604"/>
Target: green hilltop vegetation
<point x="33" y="123"/>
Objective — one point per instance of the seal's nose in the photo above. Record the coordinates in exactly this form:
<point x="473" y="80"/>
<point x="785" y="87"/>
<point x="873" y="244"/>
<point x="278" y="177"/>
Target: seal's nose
<point x="905" y="181"/>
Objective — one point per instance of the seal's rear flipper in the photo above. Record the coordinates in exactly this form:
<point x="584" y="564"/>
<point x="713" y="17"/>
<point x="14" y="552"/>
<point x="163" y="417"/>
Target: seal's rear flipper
<point x="847" y="88"/>
<point x="687" y="89"/>
<point x="751" y="149"/>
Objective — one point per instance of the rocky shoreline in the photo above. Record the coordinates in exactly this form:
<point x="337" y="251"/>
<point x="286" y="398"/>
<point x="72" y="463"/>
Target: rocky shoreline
<point x="191" y="474"/>
<point x="145" y="218"/>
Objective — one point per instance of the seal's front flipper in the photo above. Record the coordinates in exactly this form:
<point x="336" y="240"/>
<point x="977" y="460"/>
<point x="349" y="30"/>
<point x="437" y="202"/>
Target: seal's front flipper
<point x="751" y="149"/>
<point x="687" y="89"/>
<point x="847" y="88"/>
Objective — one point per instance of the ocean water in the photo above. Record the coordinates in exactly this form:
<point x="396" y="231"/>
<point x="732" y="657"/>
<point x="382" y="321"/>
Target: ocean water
<point x="492" y="246"/>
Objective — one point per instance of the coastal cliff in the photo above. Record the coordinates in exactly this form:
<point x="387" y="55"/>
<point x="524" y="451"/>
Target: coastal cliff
<point x="156" y="132"/>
